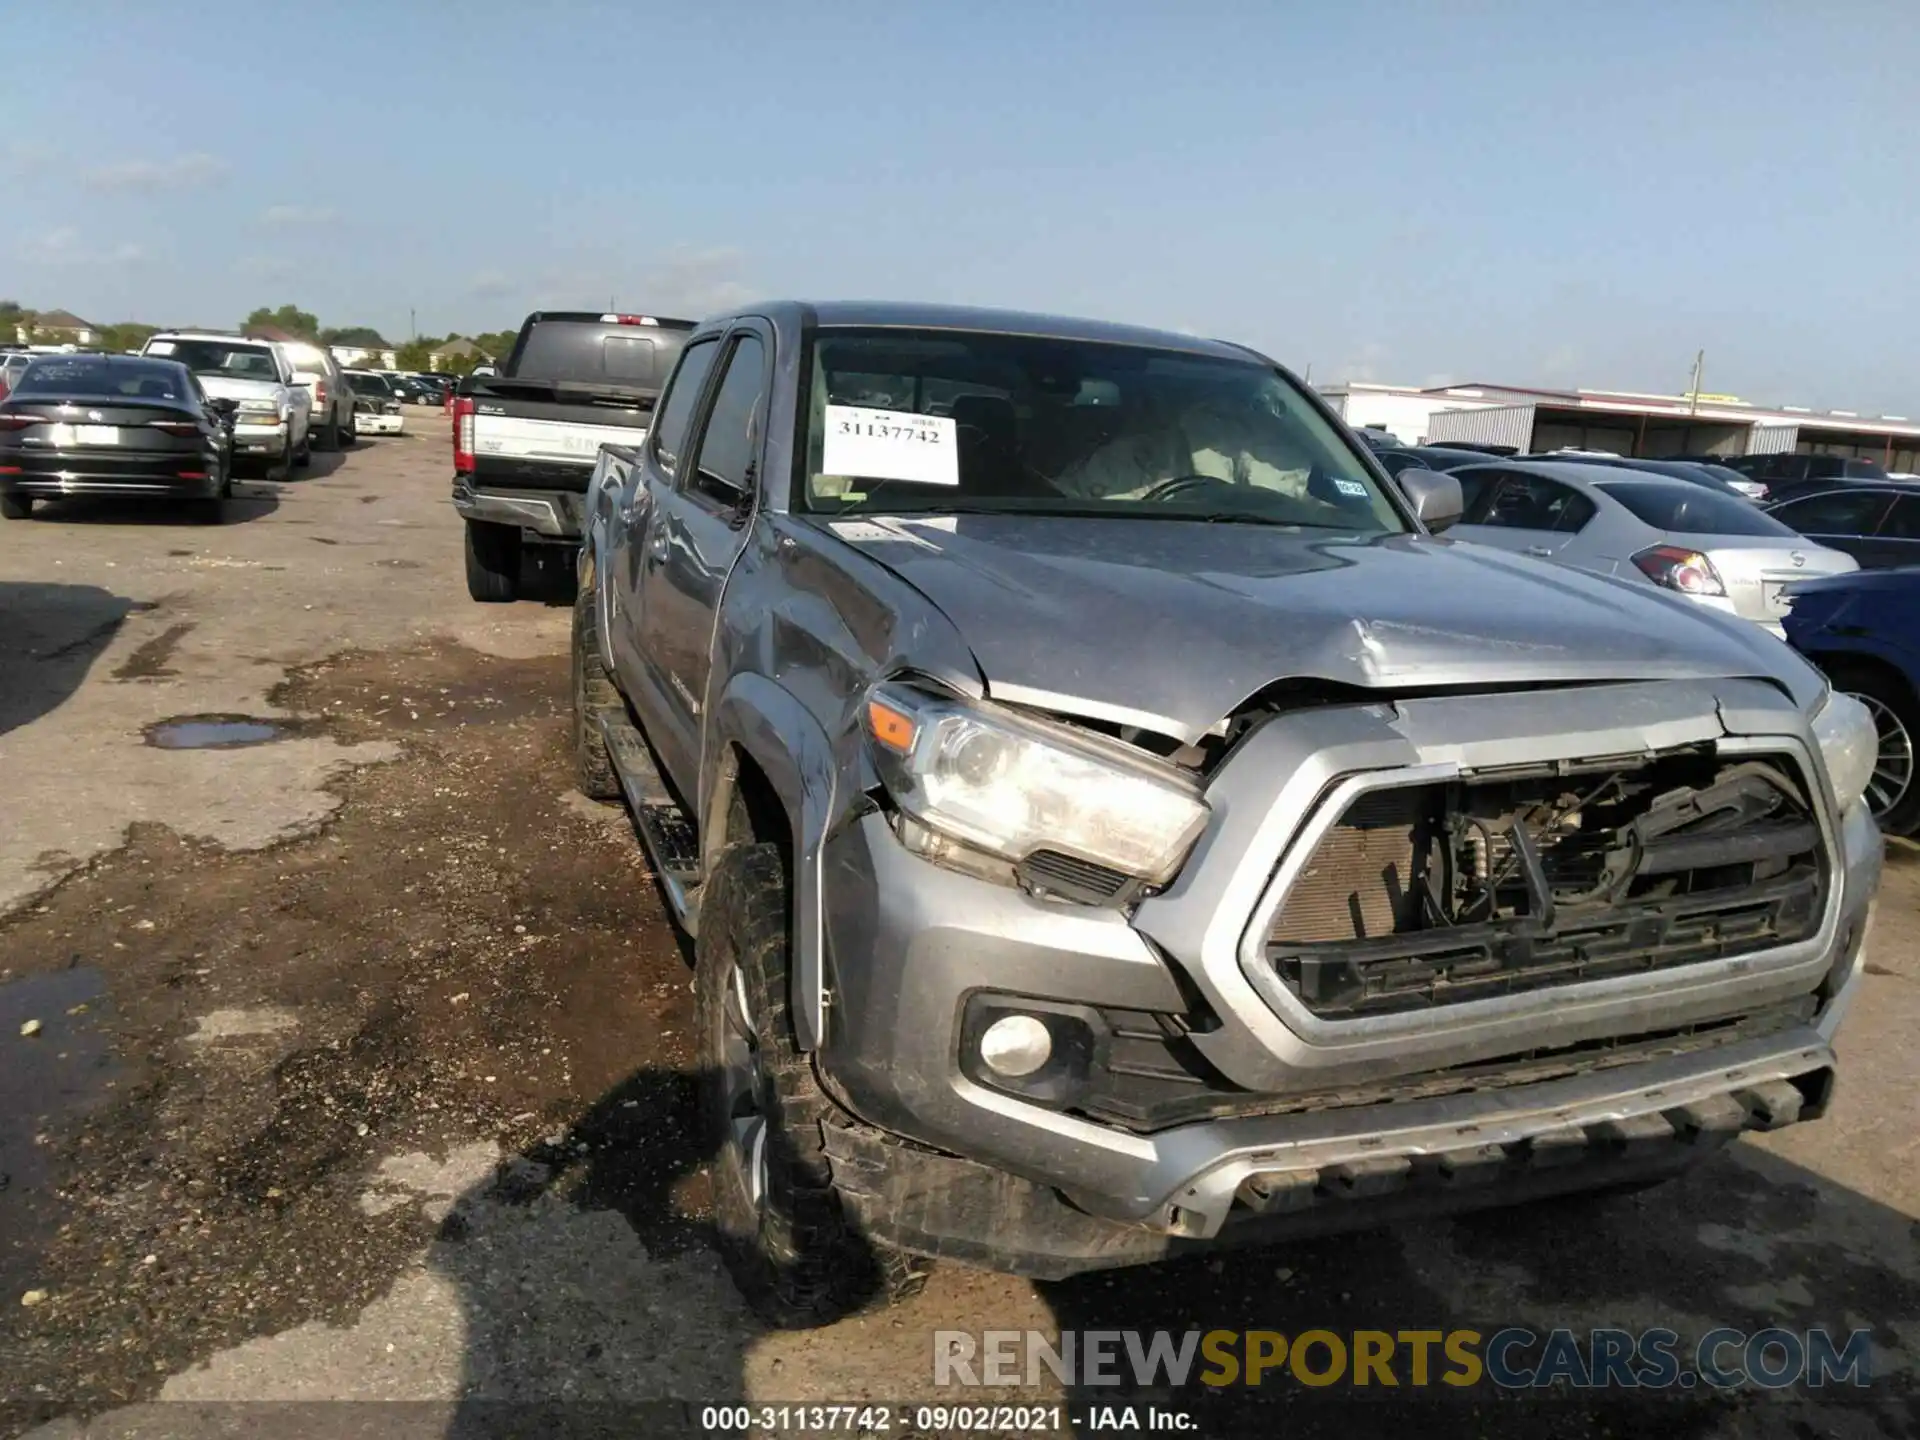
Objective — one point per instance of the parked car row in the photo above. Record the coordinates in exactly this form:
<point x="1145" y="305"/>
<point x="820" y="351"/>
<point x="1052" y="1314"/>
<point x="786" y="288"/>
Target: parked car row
<point x="179" y="419"/>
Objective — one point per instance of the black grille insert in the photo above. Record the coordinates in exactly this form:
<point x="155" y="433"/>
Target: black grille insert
<point x="1516" y="880"/>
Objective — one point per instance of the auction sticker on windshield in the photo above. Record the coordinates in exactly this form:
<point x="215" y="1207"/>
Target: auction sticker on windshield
<point x="890" y="445"/>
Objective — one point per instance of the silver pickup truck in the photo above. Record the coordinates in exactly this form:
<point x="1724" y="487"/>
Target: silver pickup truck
<point x="1113" y="823"/>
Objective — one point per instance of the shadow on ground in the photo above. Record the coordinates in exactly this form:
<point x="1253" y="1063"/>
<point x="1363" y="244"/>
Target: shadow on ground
<point x="251" y="500"/>
<point x="50" y="635"/>
<point x="1749" y="1241"/>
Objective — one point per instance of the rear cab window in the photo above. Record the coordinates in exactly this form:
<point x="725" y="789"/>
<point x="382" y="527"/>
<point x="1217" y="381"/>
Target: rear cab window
<point x="1682" y="509"/>
<point x="600" y="350"/>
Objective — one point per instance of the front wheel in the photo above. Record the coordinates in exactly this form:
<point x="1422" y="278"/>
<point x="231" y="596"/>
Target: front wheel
<point x="787" y="1242"/>
<point x="1893" y="794"/>
<point x="493" y="562"/>
<point x="593" y="690"/>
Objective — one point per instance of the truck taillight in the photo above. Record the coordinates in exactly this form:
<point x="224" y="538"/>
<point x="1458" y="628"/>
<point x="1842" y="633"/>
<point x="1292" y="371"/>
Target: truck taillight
<point x="319" y="392"/>
<point x="463" y="434"/>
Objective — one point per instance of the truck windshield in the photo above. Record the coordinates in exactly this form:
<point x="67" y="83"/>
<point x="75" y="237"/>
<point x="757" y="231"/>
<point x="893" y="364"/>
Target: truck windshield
<point x="904" y="421"/>
<point x="219" y="357"/>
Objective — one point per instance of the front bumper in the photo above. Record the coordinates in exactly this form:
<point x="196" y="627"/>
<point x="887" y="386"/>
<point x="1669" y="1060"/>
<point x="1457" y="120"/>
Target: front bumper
<point x="910" y="943"/>
<point x="373" y="423"/>
<point x="554" y="516"/>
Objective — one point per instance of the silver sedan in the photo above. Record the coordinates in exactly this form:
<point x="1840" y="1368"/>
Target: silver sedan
<point x="1698" y="542"/>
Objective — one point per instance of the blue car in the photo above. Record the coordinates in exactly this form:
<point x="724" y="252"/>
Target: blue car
<point x="1863" y="630"/>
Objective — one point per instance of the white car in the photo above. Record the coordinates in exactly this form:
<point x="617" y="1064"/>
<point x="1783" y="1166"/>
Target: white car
<point x="376" y="404"/>
<point x="272" y="411"/>
<point x="327" y="388"/>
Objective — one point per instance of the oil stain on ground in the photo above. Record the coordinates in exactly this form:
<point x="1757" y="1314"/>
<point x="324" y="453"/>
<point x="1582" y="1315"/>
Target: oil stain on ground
<point x="150" y="659"/>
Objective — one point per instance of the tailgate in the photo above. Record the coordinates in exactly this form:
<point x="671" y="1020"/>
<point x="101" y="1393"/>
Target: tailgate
<point x="516" y="437"/>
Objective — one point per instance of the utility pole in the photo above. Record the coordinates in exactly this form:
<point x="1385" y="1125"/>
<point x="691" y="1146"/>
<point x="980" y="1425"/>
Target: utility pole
<point x="413" y="324"/>
<point x="1699" y="362"/>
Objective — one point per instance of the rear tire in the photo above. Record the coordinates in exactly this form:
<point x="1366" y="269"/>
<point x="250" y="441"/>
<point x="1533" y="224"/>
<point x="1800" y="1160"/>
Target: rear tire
<point x="348" y="435"/>
<point x="593" y="689"/>
<point x="16" y="507"/>
<point x="787" y="1242"/>
<point x="303" y="457"/>
<point x="493" y="562"/>
<point x="1896" y="715"/>
<point x="329" y="437"/>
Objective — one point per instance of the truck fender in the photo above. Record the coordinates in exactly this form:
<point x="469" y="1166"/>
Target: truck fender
<point x="765" y="721"/>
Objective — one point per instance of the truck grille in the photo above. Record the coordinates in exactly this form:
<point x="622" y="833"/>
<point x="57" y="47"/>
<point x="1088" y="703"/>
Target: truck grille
<point x="1438" y="894"/>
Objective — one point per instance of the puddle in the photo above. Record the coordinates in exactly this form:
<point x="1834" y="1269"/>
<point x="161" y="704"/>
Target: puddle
<point x="215" y="732"/>
<point x="61" y="1070"/>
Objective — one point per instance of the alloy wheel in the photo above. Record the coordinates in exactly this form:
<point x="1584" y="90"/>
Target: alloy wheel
<point x="1893" y="762"/>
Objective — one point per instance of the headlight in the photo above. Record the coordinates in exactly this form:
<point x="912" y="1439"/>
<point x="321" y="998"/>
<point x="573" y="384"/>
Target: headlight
<point x="1009" y="785"/>
<point x="1849" y="746"/>
<point x="267" y="409"/>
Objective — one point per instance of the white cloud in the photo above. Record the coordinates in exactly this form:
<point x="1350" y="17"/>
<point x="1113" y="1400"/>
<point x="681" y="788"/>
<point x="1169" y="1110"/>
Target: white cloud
<point x="268" y="267"/>
<point x="490" y="285"/>
<point x="1365" y="367"/>
<point x="182" y="172"/>
<point x="51" y="247"/>
<point x="66" y="246"/>
<point x="297" y="215"/>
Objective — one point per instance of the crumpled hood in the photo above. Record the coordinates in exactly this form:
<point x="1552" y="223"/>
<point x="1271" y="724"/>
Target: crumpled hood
<point x="1173" y="624"/>
<point x="228" y="387"/>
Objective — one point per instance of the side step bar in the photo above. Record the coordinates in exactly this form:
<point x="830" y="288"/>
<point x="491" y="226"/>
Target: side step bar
<point x="672" y="844"/>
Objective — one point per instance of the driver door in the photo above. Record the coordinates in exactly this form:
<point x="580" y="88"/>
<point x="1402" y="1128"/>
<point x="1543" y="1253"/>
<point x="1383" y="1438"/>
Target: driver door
<point x="699" y="528"/>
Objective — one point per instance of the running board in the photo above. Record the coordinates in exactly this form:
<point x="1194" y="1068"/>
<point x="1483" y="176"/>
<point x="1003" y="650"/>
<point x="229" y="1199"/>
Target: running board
<point x="672" y="844"/>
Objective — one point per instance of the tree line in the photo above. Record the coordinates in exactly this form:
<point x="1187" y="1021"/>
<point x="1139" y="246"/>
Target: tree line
<point x="415" y="354"/>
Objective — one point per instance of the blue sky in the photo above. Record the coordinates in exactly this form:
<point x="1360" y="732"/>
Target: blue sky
<point x="1530" y="192"/>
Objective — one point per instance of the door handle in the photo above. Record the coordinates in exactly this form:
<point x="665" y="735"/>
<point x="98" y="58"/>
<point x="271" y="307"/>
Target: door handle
<point x="1540" y="550"/>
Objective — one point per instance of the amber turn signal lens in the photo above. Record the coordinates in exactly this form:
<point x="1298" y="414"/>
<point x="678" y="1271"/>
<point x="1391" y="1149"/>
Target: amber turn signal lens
<point x="890" y="727"/>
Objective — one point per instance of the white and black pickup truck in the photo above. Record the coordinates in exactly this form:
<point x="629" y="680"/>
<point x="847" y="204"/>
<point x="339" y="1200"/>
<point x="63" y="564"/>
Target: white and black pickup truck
<point x="525" y="438"/>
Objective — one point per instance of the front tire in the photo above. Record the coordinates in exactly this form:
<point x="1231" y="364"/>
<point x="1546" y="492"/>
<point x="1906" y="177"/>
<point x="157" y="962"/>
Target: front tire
<point x="787" y="1242"/>
<point x="303" y="457"/>
<point x="493" y="562"/>
<point x="593" y="690"/>
<point x="1893" y="794"/>
<point x="16" y="507"/>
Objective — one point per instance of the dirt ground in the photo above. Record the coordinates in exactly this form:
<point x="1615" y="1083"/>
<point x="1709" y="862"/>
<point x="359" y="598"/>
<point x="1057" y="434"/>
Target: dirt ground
<point x="362" y="1078"/>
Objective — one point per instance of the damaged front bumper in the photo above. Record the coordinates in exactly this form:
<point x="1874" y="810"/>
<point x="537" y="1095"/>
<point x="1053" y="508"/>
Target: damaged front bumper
<point x="1302" y="1123"/>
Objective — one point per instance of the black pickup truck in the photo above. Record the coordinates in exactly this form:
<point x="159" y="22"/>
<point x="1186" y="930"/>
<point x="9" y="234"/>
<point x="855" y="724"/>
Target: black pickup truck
<point x="525" y="438"/>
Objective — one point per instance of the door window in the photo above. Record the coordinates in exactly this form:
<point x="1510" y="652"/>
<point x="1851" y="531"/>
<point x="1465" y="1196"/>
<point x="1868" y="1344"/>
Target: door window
<point x="1903" y="521"/>
<point x="724" y="470"/>
<point x="1837" y="512"/>
<point x="1532" y="502"/>
<point x="675" y="417"/>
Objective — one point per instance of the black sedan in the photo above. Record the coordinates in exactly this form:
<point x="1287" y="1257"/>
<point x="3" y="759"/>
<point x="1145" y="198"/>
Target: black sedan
<point x="112" y="425"/>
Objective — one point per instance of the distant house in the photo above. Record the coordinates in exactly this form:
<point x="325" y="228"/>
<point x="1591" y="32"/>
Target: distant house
<point x="458" y="348"/>
<point x="369" y="352"/>
<point x="60" y="327"/>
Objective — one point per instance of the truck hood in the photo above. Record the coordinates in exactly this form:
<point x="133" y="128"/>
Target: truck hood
<point x="227" y="387"/>
<point x="1171" y="625"/>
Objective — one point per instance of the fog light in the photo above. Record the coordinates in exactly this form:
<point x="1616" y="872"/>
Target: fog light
<point x="1016" y="1045"/>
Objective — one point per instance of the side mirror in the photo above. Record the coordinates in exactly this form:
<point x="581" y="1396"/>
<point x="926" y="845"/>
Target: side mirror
<point x="1435" y="497"/>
